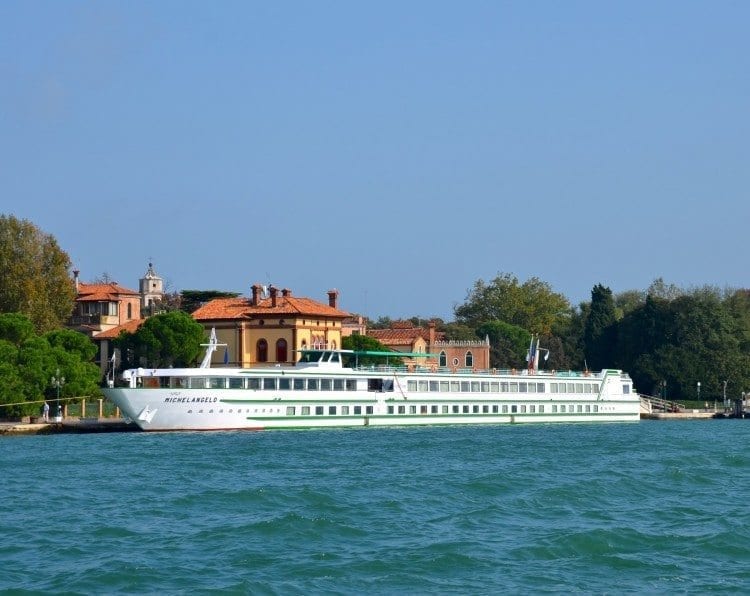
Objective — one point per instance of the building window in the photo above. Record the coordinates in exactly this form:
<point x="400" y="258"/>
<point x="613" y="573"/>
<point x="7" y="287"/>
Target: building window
<point x="281" y="352"/>
<point x="261" y="351"/>
<point x="130" y="311"/>
<point x="469" y="359"/>
<point x="443" y="358"/>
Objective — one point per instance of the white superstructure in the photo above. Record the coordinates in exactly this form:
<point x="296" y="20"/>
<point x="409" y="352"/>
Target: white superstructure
<point x="320" y="392"/>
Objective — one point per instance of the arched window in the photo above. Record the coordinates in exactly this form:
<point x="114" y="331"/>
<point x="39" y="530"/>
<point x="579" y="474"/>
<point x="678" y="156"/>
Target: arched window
<point x="130" y="311"/>
<point x="281" y="350"/>
<point x="261" y="351"/>
<point x="443" y="358"/>
<point x="469" y="359"/>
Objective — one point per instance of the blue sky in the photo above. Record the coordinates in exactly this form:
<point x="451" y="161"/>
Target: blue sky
<point x="396" y="151"/>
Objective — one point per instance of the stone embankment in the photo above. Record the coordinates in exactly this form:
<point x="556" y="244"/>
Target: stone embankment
<point x="74" y="426"/>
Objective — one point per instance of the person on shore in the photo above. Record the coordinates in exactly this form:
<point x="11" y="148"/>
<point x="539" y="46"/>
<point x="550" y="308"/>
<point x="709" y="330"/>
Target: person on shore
<point x="45" y="412"/>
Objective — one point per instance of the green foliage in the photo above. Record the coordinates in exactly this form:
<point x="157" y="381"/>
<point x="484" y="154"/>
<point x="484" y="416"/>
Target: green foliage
<point x="191" y="300"/>
<point x="35" y="275"/>
<point x="509" y="344"/>
<point x="360" y="343"/>
<point x="164" y="340"/>
<point x="29" y="361"/>
<point x="531" y="305"/>
<point x="599" y="330"/>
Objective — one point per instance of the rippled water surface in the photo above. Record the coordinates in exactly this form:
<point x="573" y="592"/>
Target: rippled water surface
<point x="651" y="507"/>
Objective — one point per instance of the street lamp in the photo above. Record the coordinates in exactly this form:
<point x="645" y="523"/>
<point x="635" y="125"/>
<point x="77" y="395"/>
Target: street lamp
<point x="57" y="383"/>
<point x="725" y="395"/>
<point x="698" y="390"/>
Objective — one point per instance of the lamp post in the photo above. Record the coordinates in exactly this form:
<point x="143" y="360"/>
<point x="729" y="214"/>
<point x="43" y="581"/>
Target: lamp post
<point x="57" y="383"/>
<point x="726" y="405"/>
<point x="698" y="391"/>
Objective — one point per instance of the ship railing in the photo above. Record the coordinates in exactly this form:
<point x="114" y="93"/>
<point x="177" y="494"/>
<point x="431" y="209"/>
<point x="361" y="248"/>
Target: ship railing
<point x="431" y="370"/>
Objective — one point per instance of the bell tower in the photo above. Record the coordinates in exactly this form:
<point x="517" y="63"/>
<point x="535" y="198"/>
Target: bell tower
<point x="151" y="289"/>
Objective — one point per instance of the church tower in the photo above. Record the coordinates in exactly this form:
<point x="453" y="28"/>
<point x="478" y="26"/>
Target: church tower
<point x="151" y="290"/>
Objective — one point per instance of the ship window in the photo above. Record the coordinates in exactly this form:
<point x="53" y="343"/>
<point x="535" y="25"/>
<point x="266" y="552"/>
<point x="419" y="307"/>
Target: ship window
<point x="332" y="410"/>
<point x="475" y="386"/>
<point x="465" y="386"/>
<point x="217" y="383"/>
<point x="523" y="409"/>
<point x="325" y="384"/>
<point x="456" y="409"/>
<point x="312" y="384"/>
<point x="338" y="384"/>
<point x="402" y="409"/>
<point x="540" y="387"/>
<point x="513" y="409"/>
<point x="494" y="409"/>
<point x="344" y="410"/>
<point x="579" y="408"/>
<point x="285" y="383"/>
<point x="522" y="388"/>
<point x="444" y="409"/>
<point x="571" y="387"/>
<point x="541" y="409"/>
<point x="434" y="386"/>
<point x="319" y="410"/>
<point x="290" y="410"/>
<point x="269" y="383"/>
<point x="504" y="387"/>
<point x="235" y="383"/>
<point x="553" y="387"/>
<point x="579" y="387"/>
<point x="197" y="383"/>
<point x="495" y="387"/>
<point x="626" y="389"/>
<point x="357" y="410"/>
<point x="485" y="409"/>
<point x="351" y="384"/>
<point x="412" y="409"/>
<point x="532" y="409"/>
<point x="368" y="409"/>
<point x="514" y="387"/>
<point x="305" y="410"/>
<point x="423" y="385"/>
<point x="455" y="387"/>
<point x="466" y="409"/>
<point x="485" y="387"/>
<point x="390" y="409"/>
<point x="596" y="408"/>
<point x="253" y="383"/>
<point x="298" y="384"/>
<point x="554" y="408"/>
<point x="444" y="386"/>
<point x="588" y="408"/>
<point x="434" y="410"/>
<point x="505" y="408"/>
<point x="411" y="385"/>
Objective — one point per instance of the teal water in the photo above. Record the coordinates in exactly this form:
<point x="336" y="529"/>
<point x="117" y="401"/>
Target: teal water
<point x="651" y="507"/>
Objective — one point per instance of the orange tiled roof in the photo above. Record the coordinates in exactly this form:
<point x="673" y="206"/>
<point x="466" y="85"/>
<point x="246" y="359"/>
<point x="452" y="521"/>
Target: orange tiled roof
<point x="240" y="308"/>
<point x="110" y="292"/>
<point x="130" y="327"/>
<point x="402" y="336"/>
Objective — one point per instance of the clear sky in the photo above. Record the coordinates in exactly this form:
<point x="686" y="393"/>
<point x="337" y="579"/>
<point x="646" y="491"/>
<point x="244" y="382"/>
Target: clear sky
<point x="396" y="151"/>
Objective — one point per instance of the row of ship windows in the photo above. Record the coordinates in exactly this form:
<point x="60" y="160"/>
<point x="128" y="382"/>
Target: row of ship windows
<point x="498" y="387"/>
<point x="413" y="386"/>
<point x="425" y="409"/>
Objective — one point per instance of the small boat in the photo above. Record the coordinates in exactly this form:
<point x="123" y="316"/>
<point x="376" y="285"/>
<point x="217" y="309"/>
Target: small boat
<point x="329" y="388"/>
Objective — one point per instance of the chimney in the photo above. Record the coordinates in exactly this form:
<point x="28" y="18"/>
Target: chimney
<point x="256" y="294"/>
<point x="286" y="292"/>
<point x="273" y="291"/>
<point x="432" y="334"/>
<point x="76" y="273"/>
<point x="333" y="298"/>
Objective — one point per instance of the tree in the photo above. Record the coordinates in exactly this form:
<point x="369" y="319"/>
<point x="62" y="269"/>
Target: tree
<point x="191" y="300"/>
<point x="531" y="305"/>
<point x="29" y="361"/>
<point x="365" y="343"/>
<point x="164" y="340"/>
<point x="509" y="344"/>
<point x="35" y="275"/>
<point x="599" y="329"/>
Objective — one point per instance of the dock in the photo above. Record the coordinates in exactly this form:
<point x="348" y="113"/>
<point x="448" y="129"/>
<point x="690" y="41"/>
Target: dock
<point x="70" y="426"/>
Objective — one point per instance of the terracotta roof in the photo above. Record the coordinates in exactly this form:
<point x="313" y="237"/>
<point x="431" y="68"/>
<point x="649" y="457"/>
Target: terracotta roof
<point x="240" y="308"/>
<point x="130" y="327"/>
<point x="402" y="336"/>
<point x="110" y="292"/>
